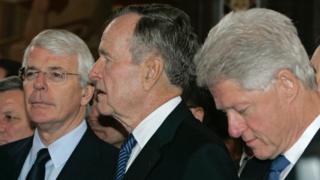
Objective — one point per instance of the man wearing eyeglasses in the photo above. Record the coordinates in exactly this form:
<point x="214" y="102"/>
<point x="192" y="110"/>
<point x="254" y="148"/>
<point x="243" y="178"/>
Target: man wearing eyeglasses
<point x="55" y="80"/>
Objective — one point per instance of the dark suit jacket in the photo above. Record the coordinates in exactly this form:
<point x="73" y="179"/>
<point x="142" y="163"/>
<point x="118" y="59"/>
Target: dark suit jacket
<point x="258" y="169"/>
<point x="91" y="159"/>
<point x="182" y="148"/>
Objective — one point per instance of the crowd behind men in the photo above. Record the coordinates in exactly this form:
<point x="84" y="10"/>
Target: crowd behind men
<point x="253" y="63"/>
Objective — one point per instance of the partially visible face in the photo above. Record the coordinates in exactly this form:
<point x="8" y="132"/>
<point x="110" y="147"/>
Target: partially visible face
<point x="258" y="117"/>
<point x="14" y="124"/>
<point x="315" y="61"/>
<point x="106" y="128"/>
<point x="117" y="78"/>
<point x="54" y="104"/>
<point x="3" y="73"/>
<point x="198" y="112"/>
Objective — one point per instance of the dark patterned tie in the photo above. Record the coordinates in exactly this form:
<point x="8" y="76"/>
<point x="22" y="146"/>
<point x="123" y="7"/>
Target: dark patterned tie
<point x="278" y="165"/>
<point x="38" y="169"/>
<point x="124" y="155"/>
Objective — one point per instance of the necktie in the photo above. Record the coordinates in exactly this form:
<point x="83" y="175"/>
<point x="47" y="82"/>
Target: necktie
<point x="124" y="155"/>
<point x="277" y="165"/>
<point x="37" y="171"/>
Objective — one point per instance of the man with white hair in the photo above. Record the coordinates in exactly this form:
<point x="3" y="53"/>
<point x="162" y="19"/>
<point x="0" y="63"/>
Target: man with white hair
<point x="55" y="81"/>
<point x="259" y="74"/>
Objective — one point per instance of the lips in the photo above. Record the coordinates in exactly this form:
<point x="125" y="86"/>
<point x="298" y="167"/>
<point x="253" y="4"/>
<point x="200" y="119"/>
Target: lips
<point x="251" y="142"/>
<point x="40" y="103"/>
<point x="39" y="100"/>
<point x="97" y="93"/>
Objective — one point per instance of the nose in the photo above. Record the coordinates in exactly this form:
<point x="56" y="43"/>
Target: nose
<point x="95" y="72"/>
<point x="40" y="82"/>
<point x="236" y="124"/>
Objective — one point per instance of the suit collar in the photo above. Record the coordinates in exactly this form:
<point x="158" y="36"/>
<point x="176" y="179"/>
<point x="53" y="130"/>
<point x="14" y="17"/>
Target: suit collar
<point x="145" y="130"/>
<point x="152" y="151"/>
<point x="18" y="152"/>
<point x="258" y="169"/>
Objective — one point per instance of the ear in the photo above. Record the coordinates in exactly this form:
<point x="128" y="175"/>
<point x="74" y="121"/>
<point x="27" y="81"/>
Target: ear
<point x="87" y="93"/>
<point x="288" y="84"/>
<point x="198" y="113"/>
<point x="152" y="70"/>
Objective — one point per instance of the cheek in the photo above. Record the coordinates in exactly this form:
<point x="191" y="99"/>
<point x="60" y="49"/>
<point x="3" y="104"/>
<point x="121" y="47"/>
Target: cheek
<point x="14" y="129"/>
<point x="27" y="88"/>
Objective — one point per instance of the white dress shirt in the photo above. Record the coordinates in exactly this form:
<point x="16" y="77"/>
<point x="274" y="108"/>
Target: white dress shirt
<point x="294" y="153"/>
<point x="60" y="151"/>
<point x="144" y="131"/>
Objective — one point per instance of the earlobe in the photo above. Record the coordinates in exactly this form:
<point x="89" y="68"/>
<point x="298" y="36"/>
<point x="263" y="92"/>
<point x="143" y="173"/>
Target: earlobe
<point x="87" y="93"/>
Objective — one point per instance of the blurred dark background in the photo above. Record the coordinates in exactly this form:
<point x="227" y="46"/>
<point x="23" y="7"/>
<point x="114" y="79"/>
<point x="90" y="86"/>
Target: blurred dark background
<point x="20" y="20"/>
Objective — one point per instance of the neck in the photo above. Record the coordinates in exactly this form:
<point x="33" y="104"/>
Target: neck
<point x="149" y="104"/>
<point x="50" y="132"/>
<point x="305" y="111"/>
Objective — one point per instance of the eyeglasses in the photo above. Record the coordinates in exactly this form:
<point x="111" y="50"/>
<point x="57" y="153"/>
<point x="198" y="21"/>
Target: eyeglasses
<point x="56" y="75"/>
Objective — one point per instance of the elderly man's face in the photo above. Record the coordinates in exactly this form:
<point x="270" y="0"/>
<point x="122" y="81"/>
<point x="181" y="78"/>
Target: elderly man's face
<point x="51" y="103"/>
<point x="258" y="117"/>
<point x="116" y="76"/>
<point x="14" y="124"/>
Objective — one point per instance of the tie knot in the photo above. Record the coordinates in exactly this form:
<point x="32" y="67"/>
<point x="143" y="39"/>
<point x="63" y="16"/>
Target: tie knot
<point x="279" y="164"/>
<point x="37" y="171"/>
<point x="129" y="144"/>
<point x="43" y="156"/>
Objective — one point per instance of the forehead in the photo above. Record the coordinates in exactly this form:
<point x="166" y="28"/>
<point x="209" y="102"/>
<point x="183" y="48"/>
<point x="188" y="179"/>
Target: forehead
<point x="11" y="97"/>
<point x="228" y="93"/>
<point x="43" y="59"/>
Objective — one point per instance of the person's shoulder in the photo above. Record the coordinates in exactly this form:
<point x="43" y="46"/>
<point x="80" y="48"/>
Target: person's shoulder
<point x="99" y="145"/>
<point x="16" y="144"/>
<point x="200" y="132"/>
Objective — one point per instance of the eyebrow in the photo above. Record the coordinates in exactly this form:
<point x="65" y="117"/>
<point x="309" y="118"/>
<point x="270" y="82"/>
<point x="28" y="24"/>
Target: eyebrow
<point x="105" y="53"/>
<point x="50" y="68"/>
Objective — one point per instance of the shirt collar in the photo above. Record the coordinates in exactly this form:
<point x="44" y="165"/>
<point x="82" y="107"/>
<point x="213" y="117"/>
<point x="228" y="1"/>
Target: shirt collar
<point x="144" y="131"/>
<point x="294" y="153"/>
<point x="61" y="149"/>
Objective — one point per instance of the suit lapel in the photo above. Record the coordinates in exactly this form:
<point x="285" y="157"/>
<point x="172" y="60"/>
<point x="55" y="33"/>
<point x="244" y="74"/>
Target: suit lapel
<point x="12" y="157"/>
<point x="152" y="151"/>
<point x="312" y="151"/>
<point x="256" y="169"/>
<point x="19" y="154"/>
<point x="81" y="154"/>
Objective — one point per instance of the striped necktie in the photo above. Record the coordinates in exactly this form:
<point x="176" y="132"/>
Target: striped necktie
<point x="277" y="166"/>
<point x="124" y="155"/>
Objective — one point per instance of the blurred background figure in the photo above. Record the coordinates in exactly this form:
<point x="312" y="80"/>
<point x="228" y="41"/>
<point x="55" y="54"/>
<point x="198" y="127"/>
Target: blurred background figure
<point x="106" y="127"/>
<point x="14" y="123"/>
<point x="200" y="103"/>
<point x="8" y="67"/>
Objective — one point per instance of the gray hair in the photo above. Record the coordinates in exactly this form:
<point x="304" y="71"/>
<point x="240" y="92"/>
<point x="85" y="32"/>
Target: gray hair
<point x="11" y="83"/>
<point x="63" y="42"/>
<point x="167" y="31"/>
<point x="250" y="47"/>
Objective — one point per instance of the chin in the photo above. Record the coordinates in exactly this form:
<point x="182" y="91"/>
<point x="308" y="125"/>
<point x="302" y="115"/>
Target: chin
<point x="39" y="119"/>
<point x="262" y="155"/>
